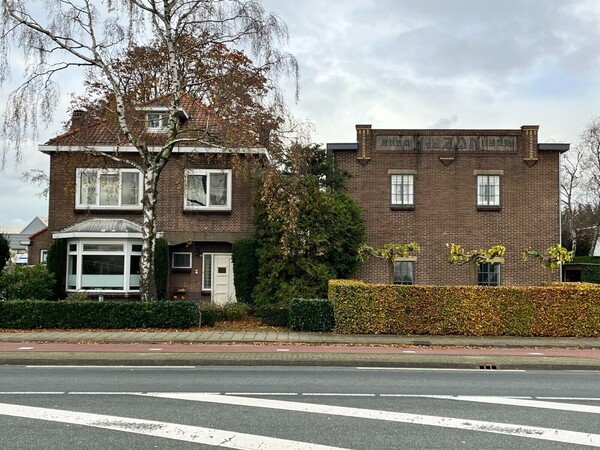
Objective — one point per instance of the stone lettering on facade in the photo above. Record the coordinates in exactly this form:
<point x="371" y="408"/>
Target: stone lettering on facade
<point x="409" y="143"/>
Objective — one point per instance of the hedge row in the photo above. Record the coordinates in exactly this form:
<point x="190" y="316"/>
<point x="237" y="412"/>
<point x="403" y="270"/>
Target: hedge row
<point x="562" y="310"/>
<point x="311" y="314"/>
<point x="111" y="315"/>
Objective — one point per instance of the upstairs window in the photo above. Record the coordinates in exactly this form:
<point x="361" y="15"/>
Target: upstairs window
<point x="109" y="188"/>
<point x="488" y="191"/>
<point x="157" y="121"/>
<point x="488" y="274"/>
<point x="207" y="190"/>
<point x="403" y="190"/>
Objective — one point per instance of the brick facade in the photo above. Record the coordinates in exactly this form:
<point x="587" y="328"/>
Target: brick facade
<point x="445" y="197"/>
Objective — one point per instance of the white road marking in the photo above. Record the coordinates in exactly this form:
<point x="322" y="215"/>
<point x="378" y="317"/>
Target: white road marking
<point x="25" y="348"/>
<point x="521" y="402"/>
<point x="415" y="369"/>
<point x="155" y="349"/>
<point x="110" y="367"/>
<point x="408" y="351"/>
<point x="535" y="353"/>
<point x="549" y="434"/>
<point x="283" y="349"/>
<point x="186" y="433"/>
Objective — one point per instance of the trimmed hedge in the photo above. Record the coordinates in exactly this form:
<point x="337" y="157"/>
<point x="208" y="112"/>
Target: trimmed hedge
<point x="561" y="310"/>
<point x="245" y="269"/>
<point x="220" y="313"/>
<point x="590" y="274"/>
<point x="311" y="314"/>
<point x="110" y="315"/>
<point x="275" y="315"/>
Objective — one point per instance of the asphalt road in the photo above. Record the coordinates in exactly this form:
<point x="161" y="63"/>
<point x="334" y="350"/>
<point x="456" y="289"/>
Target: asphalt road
<point x="275" y="408"/>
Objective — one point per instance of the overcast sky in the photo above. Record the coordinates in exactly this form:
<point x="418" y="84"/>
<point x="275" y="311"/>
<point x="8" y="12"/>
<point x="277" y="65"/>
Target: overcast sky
<point x="414" y="64"/>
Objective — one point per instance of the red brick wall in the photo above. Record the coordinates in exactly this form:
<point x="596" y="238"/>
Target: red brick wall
<point x="445" y="210"/>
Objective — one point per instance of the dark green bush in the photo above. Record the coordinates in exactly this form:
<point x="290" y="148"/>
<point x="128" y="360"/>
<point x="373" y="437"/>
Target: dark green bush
<point x="56" y="264"/>
<point x="208" y="315"/>
<point x="590" y="274"/>
<point x="161" y="267"/>
<point x="245" y="269"/>
<point x="87" y="314"/>
<point x="4" y="251"/>
<point x="311" y="314"/>
<point x="30" y="282"/>
<point x="230" y="311"/>
<point x="276" y="315"/>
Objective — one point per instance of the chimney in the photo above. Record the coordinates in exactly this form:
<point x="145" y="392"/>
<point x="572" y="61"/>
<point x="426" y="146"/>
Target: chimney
<point x="77" y="119"/>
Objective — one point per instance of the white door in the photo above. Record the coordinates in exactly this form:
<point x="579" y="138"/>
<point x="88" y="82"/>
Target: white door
<point x="223" y="290"/>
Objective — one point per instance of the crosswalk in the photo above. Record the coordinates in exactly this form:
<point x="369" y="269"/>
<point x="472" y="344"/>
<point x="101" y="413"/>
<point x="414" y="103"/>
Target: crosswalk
<point x="454" y="415"/>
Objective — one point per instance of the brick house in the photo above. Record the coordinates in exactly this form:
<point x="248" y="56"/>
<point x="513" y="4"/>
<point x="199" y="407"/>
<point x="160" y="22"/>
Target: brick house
<point x="204" y="206"/>
<point x="476" y="188"/>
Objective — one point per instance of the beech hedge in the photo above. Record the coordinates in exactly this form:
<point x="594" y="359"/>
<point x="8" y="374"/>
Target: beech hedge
<point x="560" y="310"/>
<point x="27" y="314"/>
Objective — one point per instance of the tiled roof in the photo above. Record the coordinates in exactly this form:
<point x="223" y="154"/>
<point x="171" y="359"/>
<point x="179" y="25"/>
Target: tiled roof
<point x="105" y="132"/>
<point x="10" y="229"/>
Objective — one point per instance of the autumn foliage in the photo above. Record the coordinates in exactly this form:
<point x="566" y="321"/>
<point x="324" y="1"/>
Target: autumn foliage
<point x="561" y="310"/>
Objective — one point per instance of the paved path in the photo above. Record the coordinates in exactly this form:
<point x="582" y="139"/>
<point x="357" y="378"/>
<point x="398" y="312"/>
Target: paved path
<point x="290" y="348"/>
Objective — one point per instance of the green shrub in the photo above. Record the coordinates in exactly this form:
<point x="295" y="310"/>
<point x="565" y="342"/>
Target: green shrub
<point x="208" y="315"/>
<point x="276" y="315"/>
<point x="245" y="269"/>
<point x="30" y="282"/>
<point x="161" y="267"/>
<point x="311" y="314"/>
<point x="561" y="310"/>
<point x="228" y="312"/>
<point x="590" y="274"/>
<point x="56" y="264"/>
<point x="87" y="314"/>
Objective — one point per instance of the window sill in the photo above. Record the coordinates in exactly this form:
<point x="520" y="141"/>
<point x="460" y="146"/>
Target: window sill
<point x="181" y="269"/>
<point x="489" y="208"/>
<point x="207" y="210"/>
<point x="402" y="207"/>
<point x="108" y="208"/>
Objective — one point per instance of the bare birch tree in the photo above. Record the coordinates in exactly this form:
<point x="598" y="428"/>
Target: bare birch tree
<point x="57" y="36"/>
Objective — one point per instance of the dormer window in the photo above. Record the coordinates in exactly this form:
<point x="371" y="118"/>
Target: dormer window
<point x="157" y="121"/>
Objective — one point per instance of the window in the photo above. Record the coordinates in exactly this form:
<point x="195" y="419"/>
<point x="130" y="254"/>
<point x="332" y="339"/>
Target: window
<point x="207" y="263"/>
<point x="488" y="274"/>
<point x="157" y="121"/>
<point x="109" y="188"/>
<point x="43" y="256"/>
<point x="488" y="191"/>
<point x="403" y="190"/>
<point x="403" y="272"/>
<point x="103" y="265"/>
<point x="181" y="260"/>
<point x="207" y="190"/>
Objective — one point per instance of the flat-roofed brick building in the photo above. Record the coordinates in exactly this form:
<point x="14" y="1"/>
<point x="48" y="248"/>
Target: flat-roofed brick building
<point x="476" y="188"/>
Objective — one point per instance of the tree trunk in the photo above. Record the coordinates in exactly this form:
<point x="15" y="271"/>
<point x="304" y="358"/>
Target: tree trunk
<point x="147" y="278"/>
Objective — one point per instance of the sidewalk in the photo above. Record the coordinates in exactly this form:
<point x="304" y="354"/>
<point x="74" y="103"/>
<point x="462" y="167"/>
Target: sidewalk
<point x="212" y="347"/>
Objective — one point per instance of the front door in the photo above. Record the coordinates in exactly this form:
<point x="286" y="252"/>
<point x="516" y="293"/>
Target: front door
<point x="223" y="290"/>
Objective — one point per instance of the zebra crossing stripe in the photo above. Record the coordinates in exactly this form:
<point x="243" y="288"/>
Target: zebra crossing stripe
<point x="186" y="433"/>
<point x="548" y="434"/>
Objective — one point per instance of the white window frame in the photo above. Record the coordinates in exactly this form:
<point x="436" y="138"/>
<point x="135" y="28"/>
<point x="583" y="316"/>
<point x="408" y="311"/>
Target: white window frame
<point x="210" y="256"/>
<point x="207" y="173"/>
<point x="43" y="256"/>
<point x="163" y="120"/>
<point x="99" y="172"/>
<point x="402" y="189"/>
<point x="484" y="199"/>
<point x="173" y="266"/>
<point x="75" y="247"/>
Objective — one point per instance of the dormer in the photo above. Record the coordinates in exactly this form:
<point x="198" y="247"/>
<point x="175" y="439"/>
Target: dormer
<point x="157" y="118"/>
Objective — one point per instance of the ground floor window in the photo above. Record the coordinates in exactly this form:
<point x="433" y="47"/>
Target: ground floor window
<point x="488" y="274"/>
<point x="106" y="265"/>
<point x="404" y="272"/>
